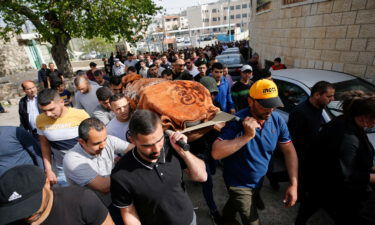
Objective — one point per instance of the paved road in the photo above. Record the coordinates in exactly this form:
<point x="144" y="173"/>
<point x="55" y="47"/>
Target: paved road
<point x="274" y="214"/>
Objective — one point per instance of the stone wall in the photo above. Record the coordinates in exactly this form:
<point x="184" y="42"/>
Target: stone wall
<point x="336" y="35"/>
<point x="13" y="58"/>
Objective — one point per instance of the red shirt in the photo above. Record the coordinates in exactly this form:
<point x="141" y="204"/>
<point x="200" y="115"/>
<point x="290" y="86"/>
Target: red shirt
<point x="279" y="67"/>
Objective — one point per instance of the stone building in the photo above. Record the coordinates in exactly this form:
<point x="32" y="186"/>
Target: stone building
<point x="336" y="35"/>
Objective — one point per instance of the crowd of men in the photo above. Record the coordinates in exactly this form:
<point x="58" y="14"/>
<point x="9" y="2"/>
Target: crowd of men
<point x="96" y="160"/>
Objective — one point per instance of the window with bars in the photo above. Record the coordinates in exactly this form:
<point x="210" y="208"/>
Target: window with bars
<point x="287" y="2"/>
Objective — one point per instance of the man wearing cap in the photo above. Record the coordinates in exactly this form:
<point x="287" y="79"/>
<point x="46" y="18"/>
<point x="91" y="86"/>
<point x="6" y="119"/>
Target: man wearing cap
<point x="240" y="90"/>
<point x="246" y="148"/>
<point x="26" y="197"/>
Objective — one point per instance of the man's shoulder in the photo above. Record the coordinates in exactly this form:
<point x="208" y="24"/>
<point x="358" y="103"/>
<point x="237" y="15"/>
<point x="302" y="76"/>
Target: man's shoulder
<point x="41" y="120"/>
<point x="126" y="165"/>
<point x="79" y="113"/>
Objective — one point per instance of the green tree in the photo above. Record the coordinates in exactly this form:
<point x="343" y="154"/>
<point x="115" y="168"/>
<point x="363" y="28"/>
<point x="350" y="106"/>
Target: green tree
<point x="58" y="21"/>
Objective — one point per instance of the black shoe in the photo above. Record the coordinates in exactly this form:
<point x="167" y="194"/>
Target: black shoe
<point x="216" y="218"/>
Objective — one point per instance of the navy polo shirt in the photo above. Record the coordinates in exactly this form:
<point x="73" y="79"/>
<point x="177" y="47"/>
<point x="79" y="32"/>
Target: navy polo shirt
<point x="247" y="166"/>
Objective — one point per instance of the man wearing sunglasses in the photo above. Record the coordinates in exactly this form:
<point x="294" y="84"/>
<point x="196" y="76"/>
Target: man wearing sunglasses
<point x="179" y="71"/>
<point x="146" y="184"/>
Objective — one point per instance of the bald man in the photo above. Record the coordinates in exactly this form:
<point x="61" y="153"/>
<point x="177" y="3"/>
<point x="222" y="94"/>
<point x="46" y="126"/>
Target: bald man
<point x="179" y="71"/>
<point x="85" y="97"/>
<point x="28" y="108"/>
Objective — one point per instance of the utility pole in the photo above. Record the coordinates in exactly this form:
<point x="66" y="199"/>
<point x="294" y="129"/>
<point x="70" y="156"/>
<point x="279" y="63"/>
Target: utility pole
<point x="229" y="30"/>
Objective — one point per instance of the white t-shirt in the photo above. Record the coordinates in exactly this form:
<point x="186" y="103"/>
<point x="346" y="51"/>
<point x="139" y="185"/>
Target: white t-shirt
<point x="194" y="72"/>
<point x="117" y="128"/>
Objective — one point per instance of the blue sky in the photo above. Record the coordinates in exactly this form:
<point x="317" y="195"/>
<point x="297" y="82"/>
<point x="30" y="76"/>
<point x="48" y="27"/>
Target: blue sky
<point x="174" y="6"/>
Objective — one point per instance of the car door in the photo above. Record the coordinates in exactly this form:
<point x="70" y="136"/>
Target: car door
<point x="291" y="94"/>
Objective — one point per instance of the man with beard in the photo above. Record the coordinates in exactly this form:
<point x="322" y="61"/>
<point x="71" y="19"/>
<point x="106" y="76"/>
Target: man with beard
<point x="90" y="162"/>
<point x="179" y="71"/>
<point x="57" y="128"/>
<point x="146" y="184"/>
<point x="246" y="147"/>
<point x="118" y="126"/>
<point x="103" y="110"/>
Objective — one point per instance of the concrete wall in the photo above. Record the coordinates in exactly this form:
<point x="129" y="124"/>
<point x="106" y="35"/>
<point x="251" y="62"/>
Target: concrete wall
<point x="334" y="35"/>
<point x="13" y="58"/>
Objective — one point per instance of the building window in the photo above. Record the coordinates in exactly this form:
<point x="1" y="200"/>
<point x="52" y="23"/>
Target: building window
<point x="168" y="20"/>
<point x="214" y="30"/>
<point x="231" y="17"/>
<point x="263" y="5"/>
<point x="214" y="19"/>
<point x="244" y="15"/>
<point x="244" y="6"/>
<point x="225" y="8"/>
<point x="238" y="6"/>
<point x="225" y="17"/>
<point x="232" y="7"/>
<point x="218" y="19"/>
<point x="174" y="19"/>
<point x="238" y="24"/>
<point x="238" y="16"/>
<point x="213" y="10"/>
<point x="287" y="2"/>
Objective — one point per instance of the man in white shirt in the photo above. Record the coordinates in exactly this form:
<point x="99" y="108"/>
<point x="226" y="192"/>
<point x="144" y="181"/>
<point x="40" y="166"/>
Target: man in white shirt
<point x="193" y="70"/>
<point x="28" y="107"/>
<point x="118" y="126"/>
<point x="130" y="61"/>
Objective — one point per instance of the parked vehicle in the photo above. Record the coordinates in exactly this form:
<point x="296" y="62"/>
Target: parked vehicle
<point x="234" y="62"/>
<point x="231" y="51"/>
<point x="295" y="84"/>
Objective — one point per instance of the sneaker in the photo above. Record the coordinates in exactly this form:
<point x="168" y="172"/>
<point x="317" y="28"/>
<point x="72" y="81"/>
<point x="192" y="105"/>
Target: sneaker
<point x="216" y="218"/>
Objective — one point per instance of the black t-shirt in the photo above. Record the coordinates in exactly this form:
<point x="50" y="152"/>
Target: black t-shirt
<point x="76" y="205"/>
<point x="240" y="93"/>
<point x="155" y="189"/>
<point x="54" y="76"/>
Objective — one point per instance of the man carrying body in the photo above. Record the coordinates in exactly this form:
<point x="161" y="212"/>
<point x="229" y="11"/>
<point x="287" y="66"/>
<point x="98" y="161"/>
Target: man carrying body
<point x="118" y="126"/>
<point x="90" y="162"/>
<point x="27" y="198"/>
<point x="202" y="68"/>
<point x="58" y="131"/>
<point x="86" y="95"/>
<point x="246" y="149"/>
<point x="146" y="184"/>
<point x="28" y="108"/>
<point x="103" y="110"/>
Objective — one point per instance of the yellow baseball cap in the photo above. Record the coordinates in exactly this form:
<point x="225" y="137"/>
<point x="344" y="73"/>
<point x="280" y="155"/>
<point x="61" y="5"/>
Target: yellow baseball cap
<point x="266" y="93"/>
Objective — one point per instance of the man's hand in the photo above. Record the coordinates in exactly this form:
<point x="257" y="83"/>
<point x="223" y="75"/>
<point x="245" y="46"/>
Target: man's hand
<point x="175" y="136"/>
<point x="290" y="196"/>
<point x="250" y="124"/>
<point x="51" y="177"/>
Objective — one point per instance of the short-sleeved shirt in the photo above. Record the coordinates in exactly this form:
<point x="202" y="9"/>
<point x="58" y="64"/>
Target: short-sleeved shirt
<point x="117" y="128"/>
<point x="103" y="114"/>
<point x="65" y="95"/>
<point x="81" y="168"/>
<point x="87" y="101"/>
<point x="76" y="206"/>
<point x="62" y="133"/>
<point x="155" y="189"/>
<point x="247" y="167"/>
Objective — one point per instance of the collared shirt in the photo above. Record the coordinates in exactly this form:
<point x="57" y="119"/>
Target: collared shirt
<point x="154" y="189"/>
<point x="247" y="167"/>
<point x="32" y="111"/>
<point x="81" y="167"/>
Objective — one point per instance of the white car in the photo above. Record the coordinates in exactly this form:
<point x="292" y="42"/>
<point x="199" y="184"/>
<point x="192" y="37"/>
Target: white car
<point x="295" y="84"/>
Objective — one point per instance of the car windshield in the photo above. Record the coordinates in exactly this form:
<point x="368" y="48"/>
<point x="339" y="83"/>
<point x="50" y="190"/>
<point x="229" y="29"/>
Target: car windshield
<point x="356" y="84"/>
<point x="230" y="60"/>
